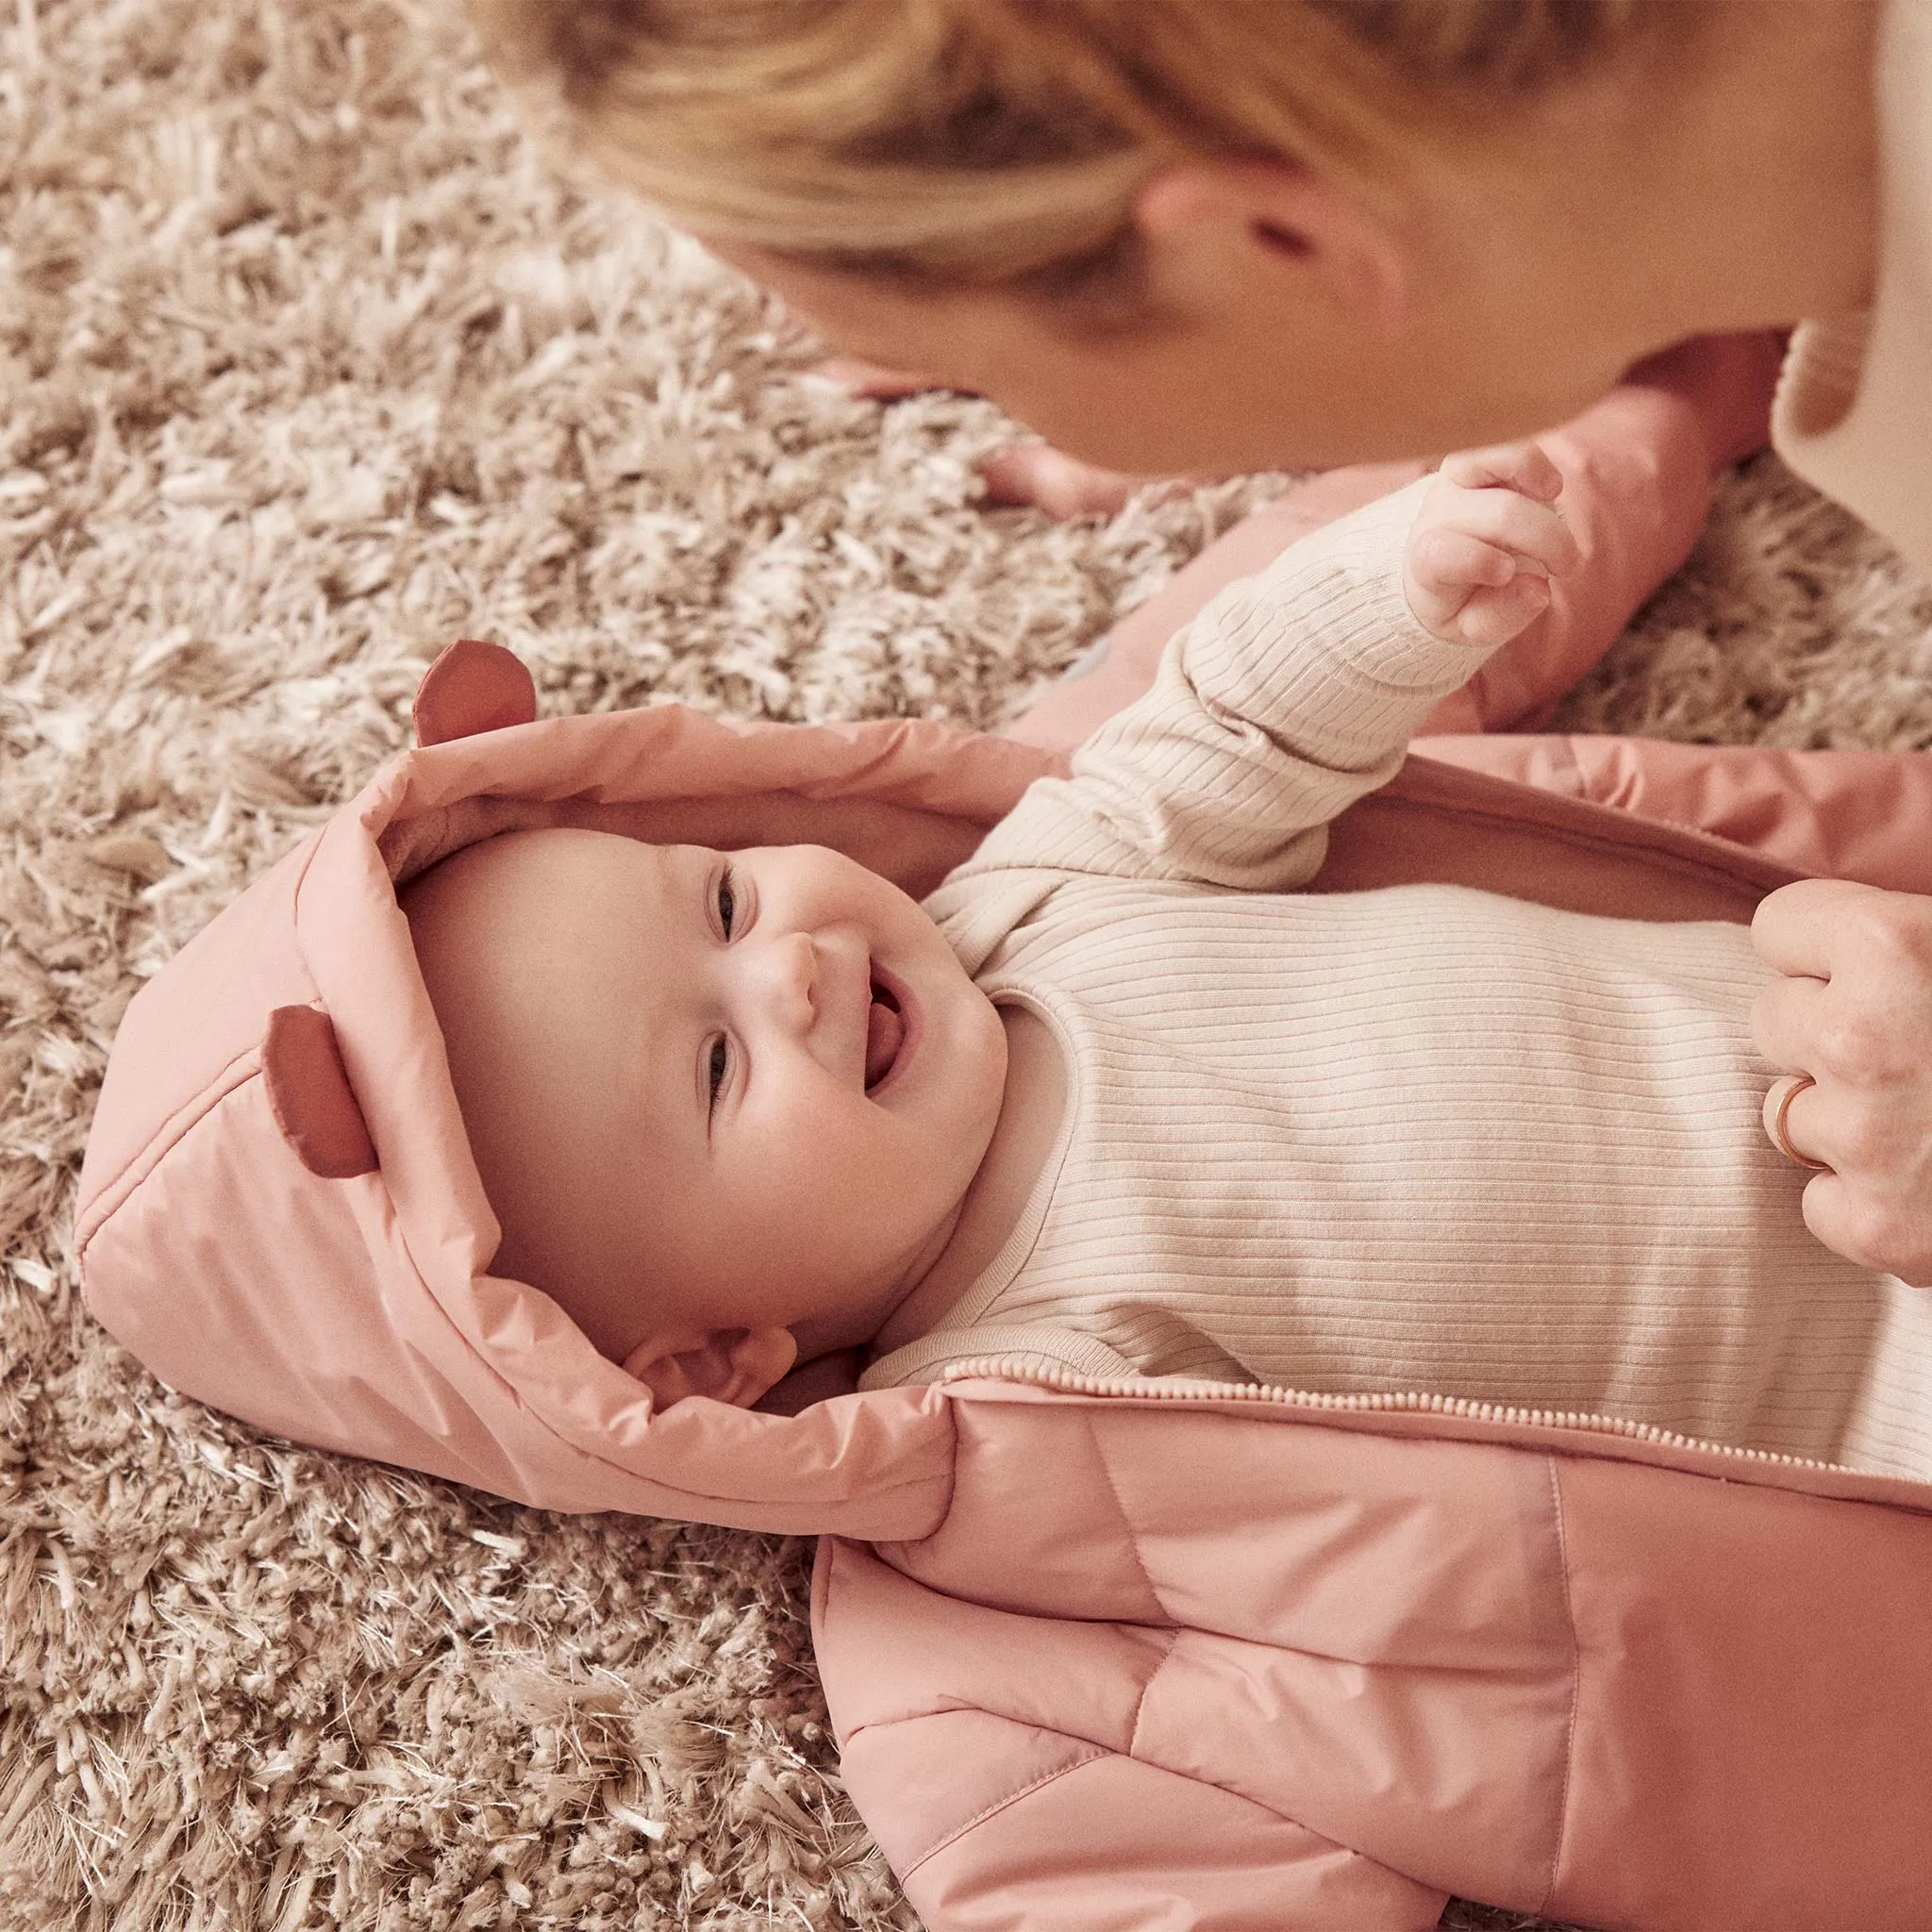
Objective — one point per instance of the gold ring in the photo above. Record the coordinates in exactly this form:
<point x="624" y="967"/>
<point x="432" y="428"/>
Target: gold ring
<point x="1781" y="1134"/>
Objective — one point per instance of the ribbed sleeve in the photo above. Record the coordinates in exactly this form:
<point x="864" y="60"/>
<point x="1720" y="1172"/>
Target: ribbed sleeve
<point x="1294" y="693"/>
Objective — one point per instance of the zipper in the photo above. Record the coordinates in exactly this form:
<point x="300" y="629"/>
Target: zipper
<point x="1184" y="1389"/>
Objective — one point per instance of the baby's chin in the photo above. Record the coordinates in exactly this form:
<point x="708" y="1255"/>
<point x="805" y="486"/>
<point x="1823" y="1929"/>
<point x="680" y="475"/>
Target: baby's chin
<point x="981" y="1072"/>
<point x="947" y="1097"/>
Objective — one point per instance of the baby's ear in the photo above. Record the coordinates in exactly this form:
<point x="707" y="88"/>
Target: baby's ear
<point x="734" y="1365"/>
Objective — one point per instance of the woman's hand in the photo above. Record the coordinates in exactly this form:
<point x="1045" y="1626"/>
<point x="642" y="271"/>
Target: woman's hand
<point x="1027" y="475"/>
<point x="1851" y="1021"/>
<point x="1485" y="545"/>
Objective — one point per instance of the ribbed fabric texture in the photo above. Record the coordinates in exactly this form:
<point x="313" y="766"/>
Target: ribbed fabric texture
<point x="1423" y="1139"/>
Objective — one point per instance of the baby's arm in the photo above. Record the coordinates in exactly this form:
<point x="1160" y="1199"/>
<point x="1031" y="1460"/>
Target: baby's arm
<point x="1296" y="690"/>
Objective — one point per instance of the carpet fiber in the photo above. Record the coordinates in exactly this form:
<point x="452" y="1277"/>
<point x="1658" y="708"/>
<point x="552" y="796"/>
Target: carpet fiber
<point x="306" y="366"/>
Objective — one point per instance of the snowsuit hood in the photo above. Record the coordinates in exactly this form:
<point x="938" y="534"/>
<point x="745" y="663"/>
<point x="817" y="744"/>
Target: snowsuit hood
<point x="279" y="1212"/>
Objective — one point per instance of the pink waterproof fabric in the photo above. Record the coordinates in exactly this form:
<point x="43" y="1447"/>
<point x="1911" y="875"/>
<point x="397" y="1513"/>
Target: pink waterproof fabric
<point x="1096" y="1658"/>
<point x="1239" y="1667"/>
<point x="1863" y="815"/>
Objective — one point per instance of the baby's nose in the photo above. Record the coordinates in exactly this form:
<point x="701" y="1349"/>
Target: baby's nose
<point x="790" y="976"/>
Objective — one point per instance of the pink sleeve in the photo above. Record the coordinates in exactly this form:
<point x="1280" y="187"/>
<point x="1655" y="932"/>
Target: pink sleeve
<point x="1636" y="491"/>
<point x="1864" y="815"/>
<point x="1636" y="494"/>
<point x="1071" y="1835"/>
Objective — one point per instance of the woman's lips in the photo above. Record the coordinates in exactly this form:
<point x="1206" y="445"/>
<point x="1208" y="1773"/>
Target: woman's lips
<point x="890" y="1032"/>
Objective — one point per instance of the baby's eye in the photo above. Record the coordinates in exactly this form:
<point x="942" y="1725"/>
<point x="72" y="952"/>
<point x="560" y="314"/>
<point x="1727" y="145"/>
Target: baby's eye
<point x="728" y="901"/>
<point x="719" y="1065"/>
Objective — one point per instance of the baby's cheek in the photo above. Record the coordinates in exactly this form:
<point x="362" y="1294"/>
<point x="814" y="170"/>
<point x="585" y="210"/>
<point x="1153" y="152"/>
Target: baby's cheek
<point x="806" y="1185"/>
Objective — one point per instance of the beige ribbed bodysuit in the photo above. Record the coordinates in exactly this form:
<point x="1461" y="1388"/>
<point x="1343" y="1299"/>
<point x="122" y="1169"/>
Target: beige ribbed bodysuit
<point x="1420" y="1138"/>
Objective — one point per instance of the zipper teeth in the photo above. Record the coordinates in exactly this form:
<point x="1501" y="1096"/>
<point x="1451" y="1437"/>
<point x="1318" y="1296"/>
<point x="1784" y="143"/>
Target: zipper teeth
<point x="1183" y="1389"/>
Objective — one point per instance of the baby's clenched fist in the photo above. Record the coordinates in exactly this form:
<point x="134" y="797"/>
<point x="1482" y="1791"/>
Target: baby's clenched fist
<point x="1485" y="545"/>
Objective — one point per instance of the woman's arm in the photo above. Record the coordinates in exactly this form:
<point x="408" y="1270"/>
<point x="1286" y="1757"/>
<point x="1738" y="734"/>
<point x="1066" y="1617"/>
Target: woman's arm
<point x="1637" y="468"/>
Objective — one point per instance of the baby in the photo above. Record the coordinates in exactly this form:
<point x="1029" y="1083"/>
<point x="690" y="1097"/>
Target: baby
<point x="1119" y="1101"/>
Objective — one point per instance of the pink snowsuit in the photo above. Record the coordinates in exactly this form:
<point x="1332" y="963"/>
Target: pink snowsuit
<point x="1147" y="1654"/>
<point x="1097" y="1655"/>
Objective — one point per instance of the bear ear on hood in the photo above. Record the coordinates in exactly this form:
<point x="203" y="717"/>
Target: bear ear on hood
<point x="473" y="687"/>
<point x="309" y="1093"/>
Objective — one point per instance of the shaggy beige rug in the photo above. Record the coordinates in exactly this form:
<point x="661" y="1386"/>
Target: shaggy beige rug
<point x="306" y="366"/>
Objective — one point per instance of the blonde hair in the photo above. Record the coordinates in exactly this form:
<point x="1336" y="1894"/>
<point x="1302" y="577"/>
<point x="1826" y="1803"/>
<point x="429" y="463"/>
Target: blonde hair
<point x="1002" y="141"/>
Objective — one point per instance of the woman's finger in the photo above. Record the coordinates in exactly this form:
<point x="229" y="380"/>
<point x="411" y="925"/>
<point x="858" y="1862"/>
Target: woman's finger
<point x="1790" y="1021"/>
<point x="1828" y="1208"/>
<point x="1797" y="928"/>
<point x="1793" y="1124"/>
<point x="1039" y="476"/>
<point x="1870" y="1143"/>
<point x="1888" y="1234"/>
<point x="871" y="380"/>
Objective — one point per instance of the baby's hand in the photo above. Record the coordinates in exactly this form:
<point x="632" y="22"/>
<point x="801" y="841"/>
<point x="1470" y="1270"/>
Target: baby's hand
<point x="1485" y="545"/>
<point x="1851" y="1018"/>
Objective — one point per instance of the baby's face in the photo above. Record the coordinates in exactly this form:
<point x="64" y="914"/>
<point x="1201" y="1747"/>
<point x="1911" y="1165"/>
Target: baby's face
<point x="708" y="1091"/>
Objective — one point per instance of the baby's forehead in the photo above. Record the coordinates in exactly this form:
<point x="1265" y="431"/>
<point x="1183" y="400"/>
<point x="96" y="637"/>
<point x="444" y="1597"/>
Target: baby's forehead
<point x="574" y="911"/>
<point x="568" y="869"/>
<point x="630" y="892"/>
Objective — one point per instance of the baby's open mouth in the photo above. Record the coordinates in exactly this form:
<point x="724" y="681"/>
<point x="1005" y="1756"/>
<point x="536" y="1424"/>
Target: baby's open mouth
<point x="885" y="1032"/>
